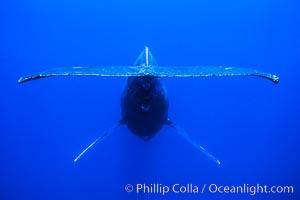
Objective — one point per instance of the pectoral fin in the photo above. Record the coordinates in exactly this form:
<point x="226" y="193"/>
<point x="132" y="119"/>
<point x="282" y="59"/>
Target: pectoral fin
<point x="186" y="136"/>
<point x="99" y="139"/>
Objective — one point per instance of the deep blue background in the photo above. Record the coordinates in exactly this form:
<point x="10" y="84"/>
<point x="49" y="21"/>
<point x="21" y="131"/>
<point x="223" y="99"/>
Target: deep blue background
<point x="250" y="124"/>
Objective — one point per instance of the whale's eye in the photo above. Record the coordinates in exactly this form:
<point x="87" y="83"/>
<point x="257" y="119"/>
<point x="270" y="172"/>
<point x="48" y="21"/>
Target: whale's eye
<point x="145" y="107"/>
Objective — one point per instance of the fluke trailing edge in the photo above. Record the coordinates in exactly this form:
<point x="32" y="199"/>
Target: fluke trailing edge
<point x="144" y="103"/>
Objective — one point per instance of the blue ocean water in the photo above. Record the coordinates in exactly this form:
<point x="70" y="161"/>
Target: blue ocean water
<point x="250" y="124"/>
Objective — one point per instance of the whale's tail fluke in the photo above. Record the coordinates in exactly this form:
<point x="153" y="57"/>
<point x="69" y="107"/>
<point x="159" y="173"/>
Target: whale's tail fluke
<point x="151" y="70"/>
<point x="145" y="65"/>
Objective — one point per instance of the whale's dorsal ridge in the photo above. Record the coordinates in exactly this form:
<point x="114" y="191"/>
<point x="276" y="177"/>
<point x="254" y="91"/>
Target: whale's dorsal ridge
<point x="145" y="58"/>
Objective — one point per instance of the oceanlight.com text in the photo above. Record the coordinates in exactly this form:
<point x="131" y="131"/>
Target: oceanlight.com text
<point x="164" y="189"/>
<point x="250" y="189"/>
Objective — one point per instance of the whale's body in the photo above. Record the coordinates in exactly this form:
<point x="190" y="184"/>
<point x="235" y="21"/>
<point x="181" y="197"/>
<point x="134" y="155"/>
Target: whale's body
<point x="144" y="106"/>
<point x="144" y="102"/>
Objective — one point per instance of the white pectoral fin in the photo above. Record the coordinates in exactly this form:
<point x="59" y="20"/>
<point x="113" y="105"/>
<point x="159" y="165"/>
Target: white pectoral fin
<point x="99" y="139"/>
<point x="186" y="136"/>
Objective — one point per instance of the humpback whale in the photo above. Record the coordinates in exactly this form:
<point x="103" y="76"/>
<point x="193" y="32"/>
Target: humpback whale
<point x="144" y="102"/>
